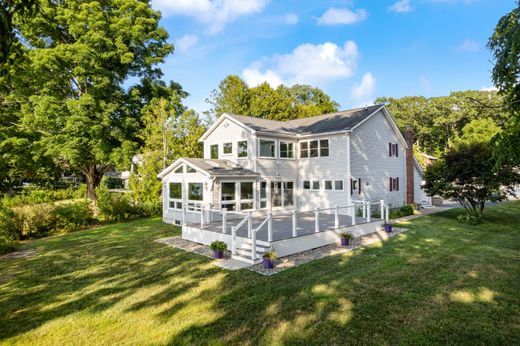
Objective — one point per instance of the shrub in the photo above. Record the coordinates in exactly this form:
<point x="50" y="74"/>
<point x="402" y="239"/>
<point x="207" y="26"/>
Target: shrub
<point x="113" y="206"/>
<point x="73" y="216"/>
<point x="113" y="183"/>
<point x="35" y="220"/>
<point x="218" y="245"/>
<point x="39" y="196"/>
<point x="8" y="233"/>
<point x="407" y="209"/>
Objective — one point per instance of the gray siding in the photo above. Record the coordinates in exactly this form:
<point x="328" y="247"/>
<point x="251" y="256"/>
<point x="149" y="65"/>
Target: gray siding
<point x="371" y="161"/>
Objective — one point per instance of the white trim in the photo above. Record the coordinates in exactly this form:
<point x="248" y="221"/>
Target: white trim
<point x="219" y="121"/>
<point x="171" y="167"/>
<point x="294" y="144"/>
<point x="275" y="148"/>
<point x="308" y="141"/>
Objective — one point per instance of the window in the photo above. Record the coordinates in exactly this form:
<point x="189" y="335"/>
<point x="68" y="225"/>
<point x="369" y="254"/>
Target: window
<point x="286" y="150"/>
<point x="175" y="196"/>
<point x="314" y="148"/>
<point x="228" y="148"/>
<point x="242" y="149"/>
<point x="263" y="194"/>
<point x="195" y="191"/>
<point x="328" y="184"/>
<point x="190" y="169"/>
<point x="288" y="193"/>
<point x="338" y="185"/>
<point x="304" y="149"/>
<point x="228" y="196"/>
<point x="324" y="147"/>
<point x="214" y="151"/>
<point x="394" y="184"/>
<point x="267" y="148"/>
<point x="179" y="170"/>
<point x="315" y="184"/>
<point x="306" y="184"/>
<point x="246" y="195"/>
<point x="393" y="149"/>
<point x="354" y="186"/>
<point x="177" y="222"/>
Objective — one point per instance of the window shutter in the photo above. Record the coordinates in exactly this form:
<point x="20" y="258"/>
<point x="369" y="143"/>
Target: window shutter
<point x="390" y="149"/>
<point x="396" y="150"/>
<point x="390" y="184"/>
<point x="351" y="186"/>
<point x="397" y="183"/>
<point x="359" y="185"/>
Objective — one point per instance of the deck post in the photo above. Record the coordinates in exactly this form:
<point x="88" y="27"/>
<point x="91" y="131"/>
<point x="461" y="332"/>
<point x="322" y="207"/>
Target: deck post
<point x="364" y="207"/>
<point x="201" y="217"/>
<point x="249" y="223"/>
<point x="317" y="220"/>
<point x="224" y="221"/>
<point x="353" y="214"/>
<point x="387" y="214"/>
<point x="253" y="245"/>
<point x="184" y="215"/>
<point x="382" y="209"/>
<point x="369" y="212"/>
<point x="336" y="217"/>
<point x="294" y="224"/>
<point x="233" y="240"/>
<point x="270" y="227"/>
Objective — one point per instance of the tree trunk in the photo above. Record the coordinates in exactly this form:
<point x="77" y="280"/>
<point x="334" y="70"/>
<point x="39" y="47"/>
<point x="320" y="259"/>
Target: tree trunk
<point x="93" y="177"/>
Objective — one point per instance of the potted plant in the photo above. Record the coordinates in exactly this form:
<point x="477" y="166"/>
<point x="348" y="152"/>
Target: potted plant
<point x="345" y="238"/>
<point x="388" y="227"/>
<point x="218" y="248"/>
<point x="268" y="259"/>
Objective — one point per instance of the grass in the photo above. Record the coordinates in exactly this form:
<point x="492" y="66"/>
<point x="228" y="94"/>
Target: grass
<point x="441" y="282"/>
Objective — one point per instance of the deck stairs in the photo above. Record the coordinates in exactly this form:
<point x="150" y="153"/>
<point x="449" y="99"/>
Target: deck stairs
<point x="244" y="252"/>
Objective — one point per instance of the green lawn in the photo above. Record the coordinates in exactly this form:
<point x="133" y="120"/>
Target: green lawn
<point x="441" y="282"/>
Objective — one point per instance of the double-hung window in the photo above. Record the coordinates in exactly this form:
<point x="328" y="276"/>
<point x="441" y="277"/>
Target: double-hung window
<point x="286" y="150"/>
<point x="227" y="148"/>
<point x="393" y="149"/>
<point x="304" y="149"/>
<point x="394" y="184"/>
<point x="314" y="148"/>
<point x="175" y="196"/>
<point x="267" y="148"/>
<point x="213" y="149"/>
<point x="324" y="147"/>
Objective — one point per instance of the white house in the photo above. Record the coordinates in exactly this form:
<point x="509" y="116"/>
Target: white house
<point x="325" y="163"/>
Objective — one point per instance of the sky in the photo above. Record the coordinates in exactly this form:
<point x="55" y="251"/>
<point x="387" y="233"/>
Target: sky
<point x="355" y="51"/>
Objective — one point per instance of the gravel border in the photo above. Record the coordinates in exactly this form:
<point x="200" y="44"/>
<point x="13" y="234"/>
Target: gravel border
<point x="290" y="261"/>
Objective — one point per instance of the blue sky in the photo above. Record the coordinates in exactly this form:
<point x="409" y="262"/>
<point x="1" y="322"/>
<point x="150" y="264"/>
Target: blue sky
<point x="354" y="50"/>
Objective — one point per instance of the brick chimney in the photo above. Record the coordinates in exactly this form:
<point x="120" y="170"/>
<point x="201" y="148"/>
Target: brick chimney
<point x="408" y="136"/>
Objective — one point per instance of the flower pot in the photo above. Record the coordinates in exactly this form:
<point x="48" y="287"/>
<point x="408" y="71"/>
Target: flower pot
<point x="388" y="228"/>
<point x="345" y="241"/>
<point x="268" y="264"/>
<point x="218" y="254"/>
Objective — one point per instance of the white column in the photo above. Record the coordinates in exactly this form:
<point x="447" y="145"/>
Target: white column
<point x="336" y="217"/>
<point x="353" y="214"/>
<point x="183" y="214"/>
<point x="224" y="221"/>
<point x="317" y="220"/>
<point x="270" y="227"/>
<point x="364" y="208"/>
<point x="294" y="224"/>
<point x="201" y="217"/>
<point x="349" y="174"/>
<point x="387" y="214"/>
<point x="253" y="245"/>
<point x="382" y="209"/>
<point x="369" y="211"/>
<point x="249" y="223"/>
<point x="233" y="240"/>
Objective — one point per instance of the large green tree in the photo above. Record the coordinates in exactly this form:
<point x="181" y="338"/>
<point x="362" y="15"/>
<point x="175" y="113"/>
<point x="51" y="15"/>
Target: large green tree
<point x="233" y="95"/>
<point x="79" y="54"/>
<point x="438" y="121"/>
<point x="505" y="46"/>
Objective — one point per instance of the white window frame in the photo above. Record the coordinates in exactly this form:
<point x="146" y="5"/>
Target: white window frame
<point x="224" y="148"/>
<point x="238" y="149"/>
<point x="247" y="200"/>
<point x="342" y="184"/>
<point x="312" y="185"/>
<point x="303" y="184"/>
<point x="308" y="150"/>
<point x="237" y="201"/>
<point x="175" y="200"/>
<point x="260" y="140"/>
<point x="218" y="151"/>
<point x="223" y="204"/>
<point x="280" y="149"/>
<point x="263" y="199"/>
<point x="181" y="168"/>
<point x="332" y="182"/>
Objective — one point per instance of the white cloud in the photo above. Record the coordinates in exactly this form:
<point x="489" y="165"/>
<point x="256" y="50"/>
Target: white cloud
<point x="214" y="13"/>
<point x="341" y="16"/>
<point x="401" y="6"/>
<point x="254" y="77"/>
<point x="468" y="46"/>
<point x="364" y="89"/>
<point x="291" y="18"/>
<point x="185" y="42"/>
<point x="307" y="64"/>
<point x="491" y="88"/>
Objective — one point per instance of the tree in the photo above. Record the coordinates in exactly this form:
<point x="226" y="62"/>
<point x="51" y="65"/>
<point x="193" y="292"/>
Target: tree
<point x="478" y="131"/>
<point x="469" y="175"/>
<point x="505" y="46"/>
<point x="283" y="103"/>
<point x="79" y="55"/>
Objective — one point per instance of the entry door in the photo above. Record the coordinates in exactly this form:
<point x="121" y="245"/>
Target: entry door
<point x="282" y="194"/>
<point x="276" y="194"/>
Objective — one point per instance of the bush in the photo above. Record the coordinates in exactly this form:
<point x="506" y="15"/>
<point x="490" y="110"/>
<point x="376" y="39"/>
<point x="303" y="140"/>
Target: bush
<point x="113" y="206"/>
<point x="34" y="220"/>
<point x="407" y="209"/>
<point x="113" y="183"/>
<point x="218" y="245"/>
<point x="8" y="234"/>
<point x="39" y="196"/>
<point x="73" y="216"/>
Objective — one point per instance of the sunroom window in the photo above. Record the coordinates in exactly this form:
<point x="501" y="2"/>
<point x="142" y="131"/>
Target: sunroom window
<point x="175" y="196"/>
<point x="179" y="170"/>
<point x="228" y="196"/>
<point x="246" y="195"/>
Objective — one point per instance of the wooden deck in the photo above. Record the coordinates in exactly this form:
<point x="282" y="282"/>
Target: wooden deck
<point x="282" y="225"/>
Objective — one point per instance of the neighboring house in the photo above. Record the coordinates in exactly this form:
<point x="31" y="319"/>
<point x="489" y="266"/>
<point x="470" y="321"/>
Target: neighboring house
<point x="260" y="165"/>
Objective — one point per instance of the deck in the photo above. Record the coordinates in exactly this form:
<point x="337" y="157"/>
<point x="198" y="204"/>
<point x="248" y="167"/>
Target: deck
<point x="282" y="225"/>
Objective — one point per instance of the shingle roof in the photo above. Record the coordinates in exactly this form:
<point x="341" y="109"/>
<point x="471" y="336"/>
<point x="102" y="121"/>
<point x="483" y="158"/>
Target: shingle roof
<point x="331" y="122"/>
<point x="219" y="167"/>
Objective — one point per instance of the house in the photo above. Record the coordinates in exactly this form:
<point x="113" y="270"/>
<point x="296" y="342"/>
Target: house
<point x="329" y="166"/>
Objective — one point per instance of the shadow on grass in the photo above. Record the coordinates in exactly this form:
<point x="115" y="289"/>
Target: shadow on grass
<point x="440" y="282"/>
